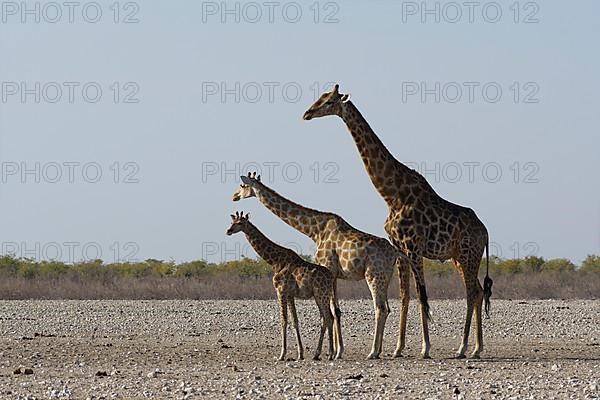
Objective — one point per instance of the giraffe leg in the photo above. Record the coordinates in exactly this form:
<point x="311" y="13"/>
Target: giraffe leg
<point x="319" y="348"/>
<point x="465" y="337"/>
<point x="329" y="323"/>
<point x="477" y="308"/>
<point x="416" y="266"/>
<point x="292" y="308"/>
<point x="337" y="324"/>
<point x="378" y="288"/>
<point x="460" y="267"/>
<point x="479" y="338"/>
<point x="404" y="278"/>
<point x="283" y="321"/>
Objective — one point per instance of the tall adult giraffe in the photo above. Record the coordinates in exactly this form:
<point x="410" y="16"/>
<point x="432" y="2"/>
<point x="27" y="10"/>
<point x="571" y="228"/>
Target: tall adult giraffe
<point x="420" y="222"/>
<point x="350" y="254"/>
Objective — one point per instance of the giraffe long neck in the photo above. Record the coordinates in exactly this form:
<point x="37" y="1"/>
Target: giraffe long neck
<point x="387" y="174"/>
<point x="306" y="220"/>
<point x="268" y="250"/>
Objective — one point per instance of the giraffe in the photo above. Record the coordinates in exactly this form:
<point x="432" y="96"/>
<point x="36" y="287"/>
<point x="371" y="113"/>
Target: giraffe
<point x="295" y="277"/>
<point x="349" y="253"/>
<point x="420" y="222"/>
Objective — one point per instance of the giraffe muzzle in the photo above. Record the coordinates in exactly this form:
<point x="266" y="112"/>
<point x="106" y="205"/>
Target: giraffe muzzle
<point x="307" y="116"/>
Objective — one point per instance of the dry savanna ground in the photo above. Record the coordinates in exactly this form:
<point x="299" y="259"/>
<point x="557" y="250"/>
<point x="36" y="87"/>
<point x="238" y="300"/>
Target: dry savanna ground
<point x="103" y="349"/>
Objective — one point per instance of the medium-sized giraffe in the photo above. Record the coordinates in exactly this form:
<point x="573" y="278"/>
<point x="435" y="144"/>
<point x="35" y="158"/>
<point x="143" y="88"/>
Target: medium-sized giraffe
<point x="295" y="277"/>
<point x="420" y="222"/>
<point x="350" y="254"/>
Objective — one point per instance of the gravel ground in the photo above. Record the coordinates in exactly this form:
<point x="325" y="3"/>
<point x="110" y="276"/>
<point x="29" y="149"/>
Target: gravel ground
<point x="227" y="349"/>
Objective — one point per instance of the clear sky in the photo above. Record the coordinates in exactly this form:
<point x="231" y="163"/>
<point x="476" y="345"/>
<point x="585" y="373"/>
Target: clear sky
<point x="175" y="131"/>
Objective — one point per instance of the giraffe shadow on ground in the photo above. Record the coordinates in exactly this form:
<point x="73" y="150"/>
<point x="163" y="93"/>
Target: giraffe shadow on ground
<point x="522" y="359"/>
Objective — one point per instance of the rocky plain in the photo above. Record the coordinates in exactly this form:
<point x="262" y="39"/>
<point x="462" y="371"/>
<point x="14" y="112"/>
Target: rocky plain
<point x="173" y="349"/>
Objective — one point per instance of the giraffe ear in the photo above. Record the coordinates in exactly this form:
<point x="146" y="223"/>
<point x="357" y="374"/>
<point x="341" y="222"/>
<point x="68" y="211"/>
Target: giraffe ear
<point x="247" y="218"/>
<point x="232" y="216"/>
<point x="246" y="179"/>
<point x="258" y="178"/>
<point x="345" y="98"/>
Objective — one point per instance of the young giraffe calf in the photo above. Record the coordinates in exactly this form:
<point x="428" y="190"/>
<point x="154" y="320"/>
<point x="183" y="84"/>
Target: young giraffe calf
<point x="296" y="278"/>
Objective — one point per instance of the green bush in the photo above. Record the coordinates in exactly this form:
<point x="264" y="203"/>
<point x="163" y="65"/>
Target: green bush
<point x="246" y="267"/>
<point x="9" y="265"/>
<point x="591" y="264"/>
<point x="533" y="263"/>
<point x="192" y="269"/>
<point x="558" y="265"/>
<point x="437" y="268"/>
<point x="52" y="268"/>
<point x="511" y="266"/>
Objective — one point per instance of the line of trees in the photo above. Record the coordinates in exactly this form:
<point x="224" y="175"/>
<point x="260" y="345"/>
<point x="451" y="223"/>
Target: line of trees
<point x="246" y="267"/>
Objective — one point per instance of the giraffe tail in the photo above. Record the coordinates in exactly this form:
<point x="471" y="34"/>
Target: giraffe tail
<point x="487" y="282"/>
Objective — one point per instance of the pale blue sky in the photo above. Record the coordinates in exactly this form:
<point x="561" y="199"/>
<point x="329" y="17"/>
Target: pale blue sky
<point x="173" y="135"/>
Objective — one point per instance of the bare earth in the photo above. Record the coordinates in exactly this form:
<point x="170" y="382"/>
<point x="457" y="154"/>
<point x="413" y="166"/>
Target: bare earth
<point x="227" y="349"/>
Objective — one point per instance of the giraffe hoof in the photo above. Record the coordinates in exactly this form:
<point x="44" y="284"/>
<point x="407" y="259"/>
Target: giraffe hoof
<point x="460" y="356"/>
<point x="397" y="354"/>
<point x="475" y="356"/>
<point x="281" y="359"/>
<point x="425" y="356"/>
<point x="316" y="357"/>
<point x="373" y="356"/>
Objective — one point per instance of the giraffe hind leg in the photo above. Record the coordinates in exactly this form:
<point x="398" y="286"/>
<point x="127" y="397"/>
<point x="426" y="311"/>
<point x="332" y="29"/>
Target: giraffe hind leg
<point x="378" y="288"/>
<point x="283" y="321"/>
<point x="474" y="291"/>
<point x="416" y="266"/>
<point x="292" y="308"/>
<point x="337" y="324"/>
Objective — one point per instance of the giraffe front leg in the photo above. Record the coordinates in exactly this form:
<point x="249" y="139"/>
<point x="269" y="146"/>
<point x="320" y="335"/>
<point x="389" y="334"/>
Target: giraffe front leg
<point x="284" y="322"/>
<point x="404" y="278"/>
<point x="292" y="307"/>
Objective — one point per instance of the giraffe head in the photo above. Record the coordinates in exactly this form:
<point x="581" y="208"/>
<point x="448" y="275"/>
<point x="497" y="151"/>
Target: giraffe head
<point x="245" y="190"/>
<point x="330" y="103"/>
<point x="239" y="223"/>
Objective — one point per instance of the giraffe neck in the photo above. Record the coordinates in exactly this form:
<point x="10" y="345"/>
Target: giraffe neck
<point x="271" y="252"/>
<point x="387" y="174"/>
<point x="306" y="220"/>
